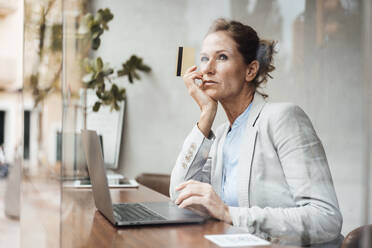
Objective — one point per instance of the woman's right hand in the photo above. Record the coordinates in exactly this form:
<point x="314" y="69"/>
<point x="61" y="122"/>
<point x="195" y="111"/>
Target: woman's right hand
<point x="204" y="101"/>
<point x="207" y="105"/>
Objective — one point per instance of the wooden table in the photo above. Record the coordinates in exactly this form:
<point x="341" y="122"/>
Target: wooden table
<point x="83" y="226"/>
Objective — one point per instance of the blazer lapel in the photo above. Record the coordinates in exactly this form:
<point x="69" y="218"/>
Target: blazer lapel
<point x="247" y="150"/>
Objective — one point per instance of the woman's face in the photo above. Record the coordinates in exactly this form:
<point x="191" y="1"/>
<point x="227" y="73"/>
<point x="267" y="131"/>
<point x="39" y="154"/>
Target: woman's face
<point x="222" y="66"/>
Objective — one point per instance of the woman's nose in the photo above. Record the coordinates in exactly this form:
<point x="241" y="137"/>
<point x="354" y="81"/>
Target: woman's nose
<point x="208" y="68"/>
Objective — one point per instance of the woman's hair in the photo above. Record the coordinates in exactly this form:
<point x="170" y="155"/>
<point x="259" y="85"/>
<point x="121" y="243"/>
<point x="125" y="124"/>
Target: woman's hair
<point x="250" y="46"/>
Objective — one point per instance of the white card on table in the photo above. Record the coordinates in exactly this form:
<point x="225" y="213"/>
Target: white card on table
<point x="236" y="240"/>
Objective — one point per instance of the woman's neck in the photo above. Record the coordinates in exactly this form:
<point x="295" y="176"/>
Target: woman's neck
<point x="236" y="105"/>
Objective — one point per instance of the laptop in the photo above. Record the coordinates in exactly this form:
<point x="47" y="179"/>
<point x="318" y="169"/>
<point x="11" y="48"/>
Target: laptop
<point x="128" y="214"/>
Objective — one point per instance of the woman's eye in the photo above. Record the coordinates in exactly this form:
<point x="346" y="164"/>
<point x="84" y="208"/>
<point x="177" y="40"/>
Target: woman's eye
<point x="203" y="59"/>
<point x="222" y="57"/>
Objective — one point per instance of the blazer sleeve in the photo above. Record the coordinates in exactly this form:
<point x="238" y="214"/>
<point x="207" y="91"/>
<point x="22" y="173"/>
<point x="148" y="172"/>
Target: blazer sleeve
<point x="193" y="161"/>
<point x="316" y="217"/>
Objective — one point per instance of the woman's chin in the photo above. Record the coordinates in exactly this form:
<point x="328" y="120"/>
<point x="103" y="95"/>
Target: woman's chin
<point x="212" y="93"/>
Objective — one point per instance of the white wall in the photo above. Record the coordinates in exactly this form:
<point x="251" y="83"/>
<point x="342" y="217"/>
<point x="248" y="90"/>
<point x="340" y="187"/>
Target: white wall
<point x="159" y="112"/>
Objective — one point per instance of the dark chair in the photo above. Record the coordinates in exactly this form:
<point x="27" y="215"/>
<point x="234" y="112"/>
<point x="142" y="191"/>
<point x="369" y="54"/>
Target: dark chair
<point x="157" y="182"/>
<point x="360" y="237"/>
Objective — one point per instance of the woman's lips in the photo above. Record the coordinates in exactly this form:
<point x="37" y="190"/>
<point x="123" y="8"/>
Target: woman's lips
<point x="209" y="82"/>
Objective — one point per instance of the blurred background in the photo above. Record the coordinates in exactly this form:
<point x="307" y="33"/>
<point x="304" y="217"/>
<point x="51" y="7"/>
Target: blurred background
<point x="323" y="65"/>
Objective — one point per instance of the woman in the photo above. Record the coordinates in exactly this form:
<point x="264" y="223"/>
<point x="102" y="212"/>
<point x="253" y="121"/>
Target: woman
<point x="264" y="170"/>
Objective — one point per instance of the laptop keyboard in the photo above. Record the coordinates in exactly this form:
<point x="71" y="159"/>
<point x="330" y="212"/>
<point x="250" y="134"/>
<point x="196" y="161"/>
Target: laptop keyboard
<point x="135" y="212"/>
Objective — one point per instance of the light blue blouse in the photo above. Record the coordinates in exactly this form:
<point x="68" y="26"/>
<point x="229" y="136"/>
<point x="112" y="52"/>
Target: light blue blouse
<point x="231" y="150"/>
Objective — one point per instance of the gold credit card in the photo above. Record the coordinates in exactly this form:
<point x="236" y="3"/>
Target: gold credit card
<point x="186" y="59"/>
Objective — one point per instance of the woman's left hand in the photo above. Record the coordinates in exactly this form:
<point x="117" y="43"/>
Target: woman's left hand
<point x="198" y="193"/>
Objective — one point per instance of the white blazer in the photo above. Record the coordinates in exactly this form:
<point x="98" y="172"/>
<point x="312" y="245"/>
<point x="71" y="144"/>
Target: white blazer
<point x="284" y="185"/>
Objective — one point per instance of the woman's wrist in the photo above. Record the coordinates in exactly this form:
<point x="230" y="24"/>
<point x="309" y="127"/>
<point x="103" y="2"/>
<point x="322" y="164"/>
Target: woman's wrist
<point x="227" y="216"/>
<point x="206" y="120"/>
<point x="210" y="107"/>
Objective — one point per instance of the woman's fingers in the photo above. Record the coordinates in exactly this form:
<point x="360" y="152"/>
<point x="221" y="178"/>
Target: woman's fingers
<point x="191" y="190"/>
<point x="206" y="104"/>
<point x="195" y="193"/>
<point x="190" y="75"/>
<point x="193" y="200"/>
<point x="190" y="69"/>
<point x="189" y="78"/>
<point x="183" y="185"/>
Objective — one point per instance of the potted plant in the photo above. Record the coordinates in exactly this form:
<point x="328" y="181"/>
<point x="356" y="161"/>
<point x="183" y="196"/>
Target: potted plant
<point x="100" y="76"/>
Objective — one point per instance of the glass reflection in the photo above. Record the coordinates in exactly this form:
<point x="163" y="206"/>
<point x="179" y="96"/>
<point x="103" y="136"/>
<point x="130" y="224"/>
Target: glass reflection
<point x="320" y="66"/>
<point x="11" y="117"/>
<point x="42" y="70"/>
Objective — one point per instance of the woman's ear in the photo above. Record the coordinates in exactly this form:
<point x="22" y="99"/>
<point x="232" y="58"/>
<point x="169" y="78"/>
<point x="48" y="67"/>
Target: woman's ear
<point x="252" y="70"/>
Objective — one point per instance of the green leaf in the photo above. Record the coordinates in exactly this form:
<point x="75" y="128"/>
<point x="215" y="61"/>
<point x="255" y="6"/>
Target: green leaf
<point x="122" y="94"/>
<point x="91" y="84"/>
<point x="98" y="18"/>
<point x="100" y="79"/>
<point x="116" y="106"/>
<point x="97" y="34"/>
<point x="105" y="96"/>
<point x="98" y="93"/>
<point x="87" y="66"/>
<point x="101" y="87"/>
<point x="96" y="27"/>
<point x="96" y="43"/>
<point x="105" y="26"/>
<point x="120" y="73"/>
<point x="107" y="72"/>
<point x="99" y="64"/>
<point x="87" y="19"/>
<point x="144" y="68"/>
<point x="131" y="66"/>
<point x="115" y="91"/>
<point x="130" y="78"/>
<point x="123" y="72"/>
<point x="107" y="15"/>
<point x="114" y="88"/>
<point x="136" y="76"/>
<point x="96" y="106"/>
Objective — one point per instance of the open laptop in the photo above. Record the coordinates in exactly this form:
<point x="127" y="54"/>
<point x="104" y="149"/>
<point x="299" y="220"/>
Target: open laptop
<point x="127" y="214"/>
